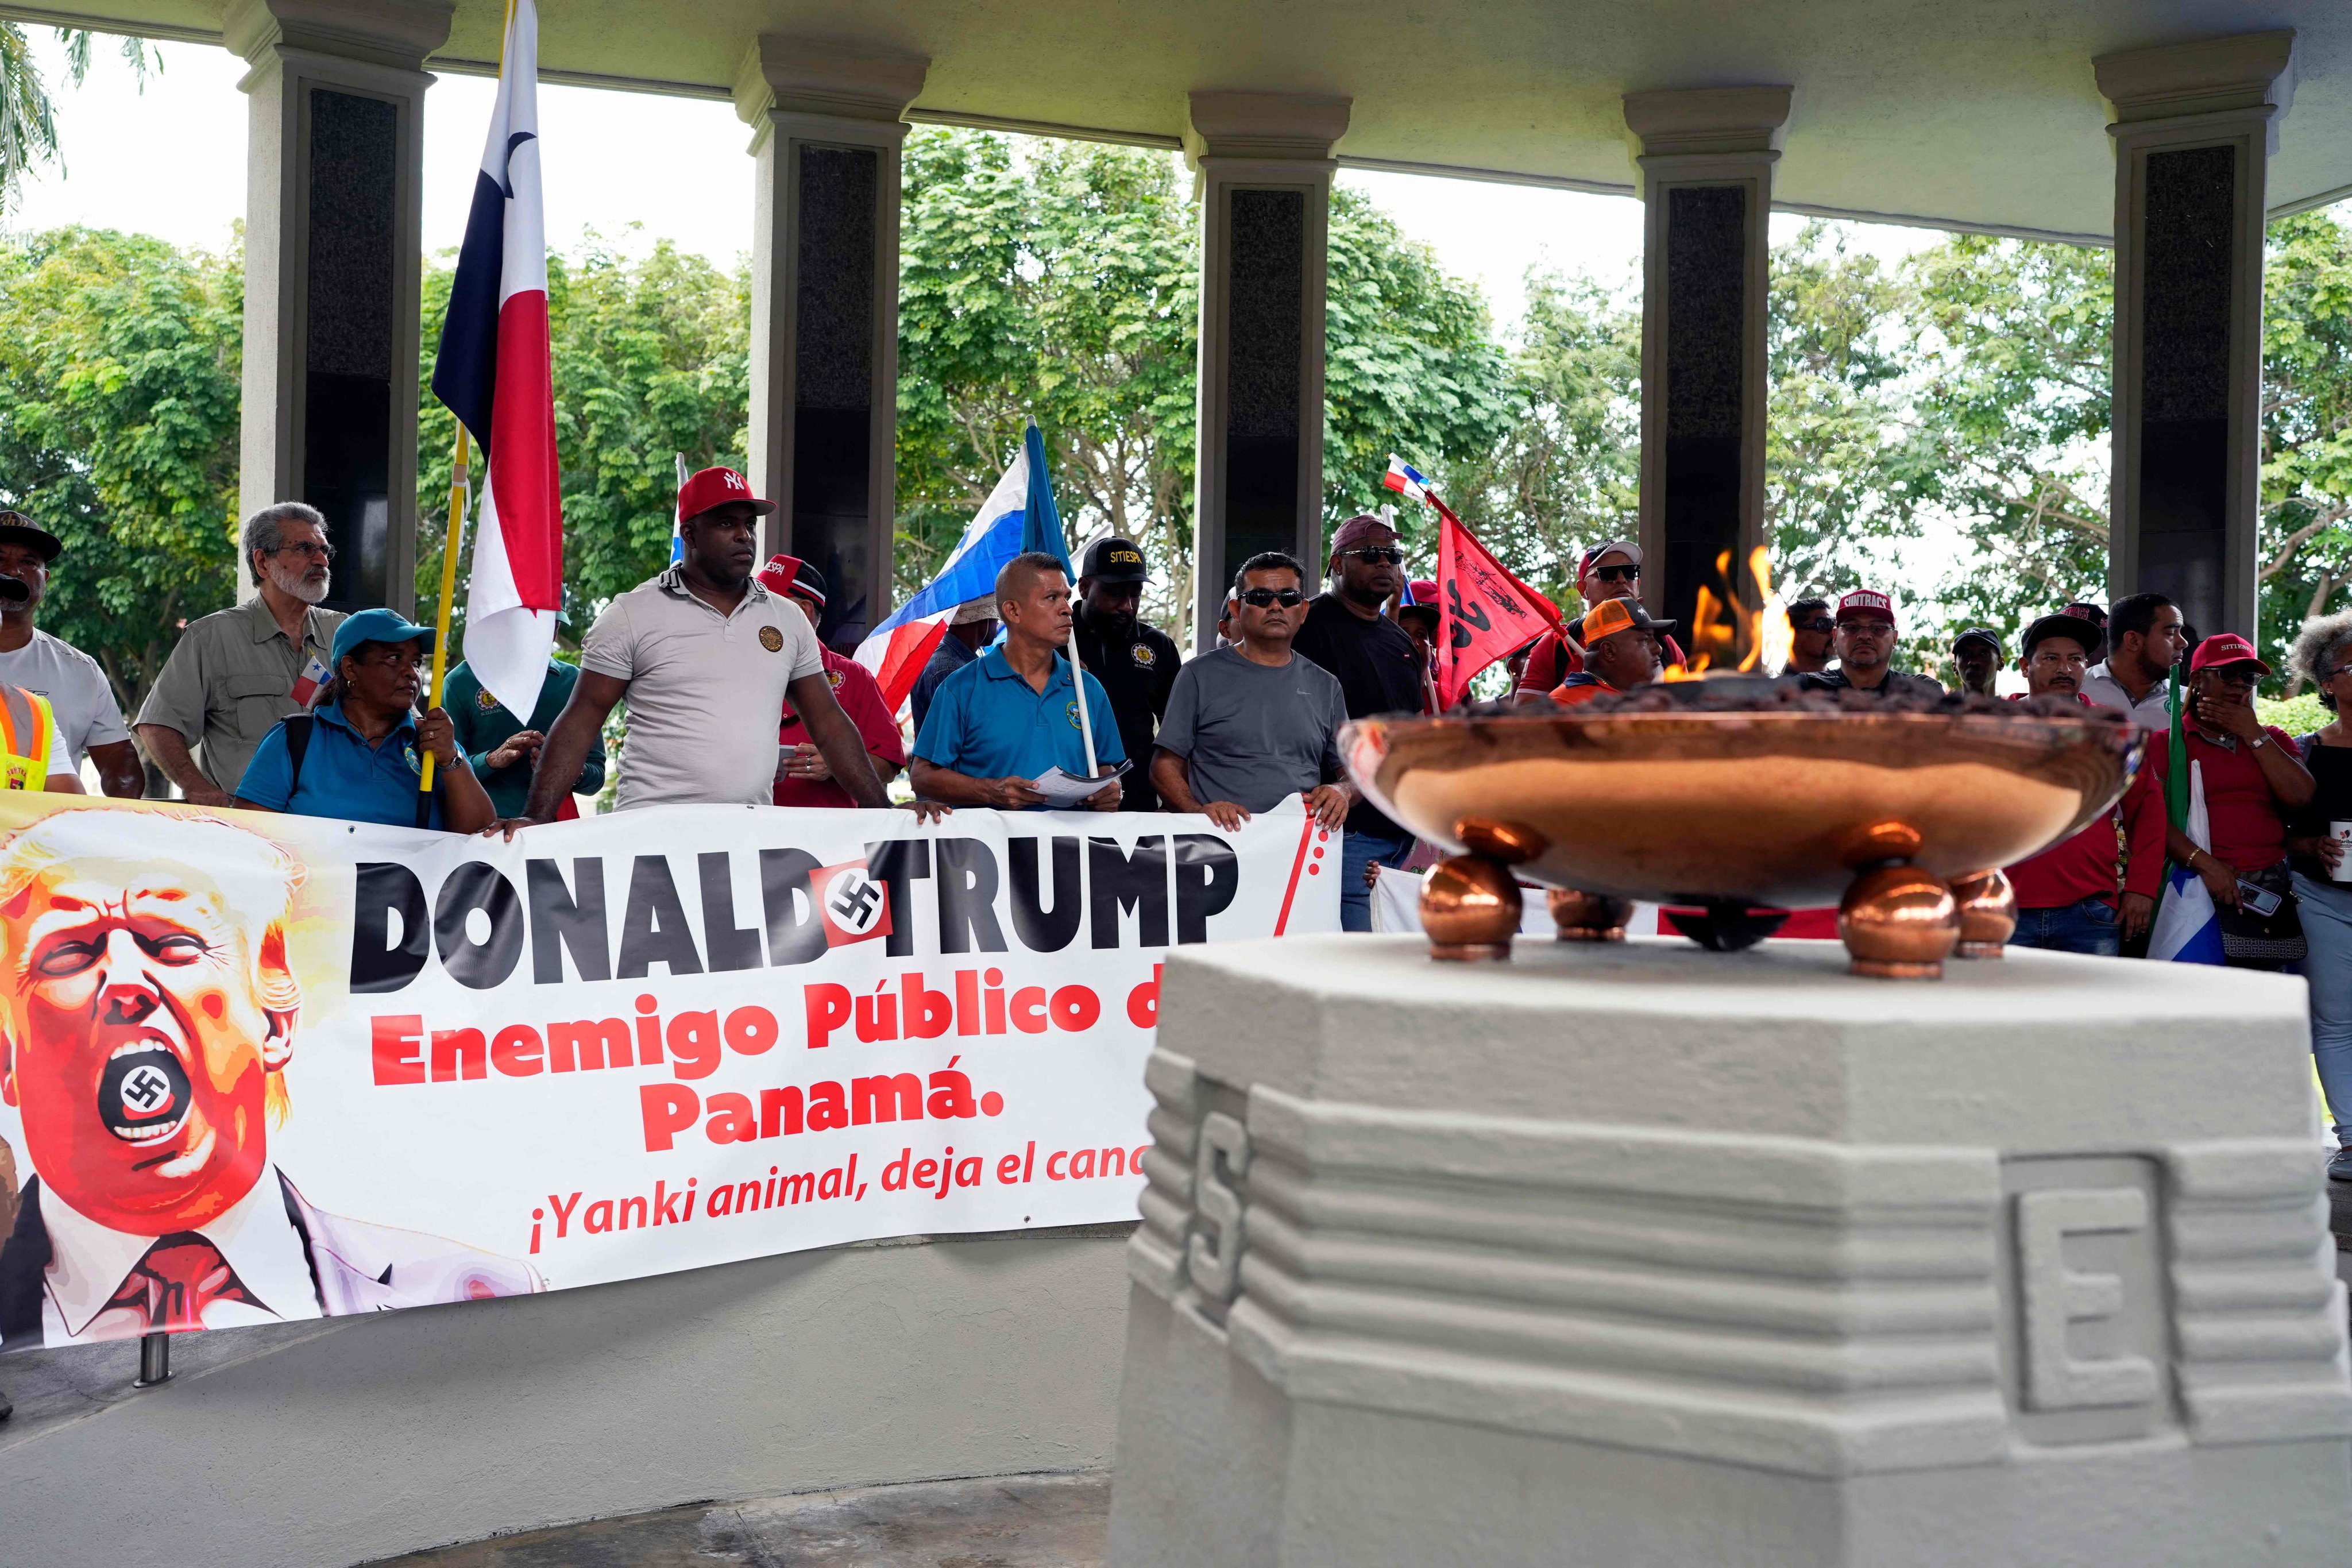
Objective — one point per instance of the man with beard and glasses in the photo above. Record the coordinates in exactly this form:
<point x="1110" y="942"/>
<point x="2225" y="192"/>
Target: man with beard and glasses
<point x="1865" y="642"/>
<point x="2070" y="897"/>
<point x="1379" y="672"/>
<point x="237" y="672"/>
<point x="1252" y="725"/>
<point x="147" y="1035"/>
<point x="1136" y="663"/>
<point x="708" y="657"/>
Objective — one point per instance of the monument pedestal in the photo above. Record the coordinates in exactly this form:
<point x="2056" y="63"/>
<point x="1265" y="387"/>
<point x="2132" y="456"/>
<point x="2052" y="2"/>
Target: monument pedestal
<point x="1636" y="1254"/>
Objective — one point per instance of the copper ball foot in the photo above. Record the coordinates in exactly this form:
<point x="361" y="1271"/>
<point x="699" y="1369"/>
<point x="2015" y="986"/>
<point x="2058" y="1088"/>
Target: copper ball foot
<point x="1987" y="907"/>
<point x="1470" y="908"/>
<point x="1898" y="922"/>
<point x="1589" y="916"/>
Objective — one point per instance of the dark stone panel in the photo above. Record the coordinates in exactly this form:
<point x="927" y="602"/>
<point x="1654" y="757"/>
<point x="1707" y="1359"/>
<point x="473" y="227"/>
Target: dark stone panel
<point x="354" y="184"/>
<point x="2186" y="284"/>
<point x="830" y="488"/>
<point x="1706" y="300"/>
<point x="1266" y="255"/>
<point x="833" y="366"/>
<point x="1266" y="261"/>
<point x="832" y="431"/>
<point x="1707" y="303"/>
<point x="2183" y="490"/>
<point x="1261" y="497"/>
<point x="346" y="451"/>
<point x="2188" y="271"/>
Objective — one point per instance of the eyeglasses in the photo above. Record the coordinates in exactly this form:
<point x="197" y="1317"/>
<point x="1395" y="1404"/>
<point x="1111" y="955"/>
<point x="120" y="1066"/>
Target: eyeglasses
<point x="1377" y="555"/>
<point x="396" y="658"/>
<point x="1259" y="598"/>
<point x="1617" y="574"/>
<point x="308" y="550"/>
<point x="1822" y="625"/>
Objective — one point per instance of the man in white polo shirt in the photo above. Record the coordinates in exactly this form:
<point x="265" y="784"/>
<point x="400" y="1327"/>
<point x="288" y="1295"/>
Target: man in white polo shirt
<point x="695" y="651"/>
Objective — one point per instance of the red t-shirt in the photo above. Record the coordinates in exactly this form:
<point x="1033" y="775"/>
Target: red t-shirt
<point x="2248" y="824"/>
<point x="860" y="696"/>
<point x="2089" y="864"/>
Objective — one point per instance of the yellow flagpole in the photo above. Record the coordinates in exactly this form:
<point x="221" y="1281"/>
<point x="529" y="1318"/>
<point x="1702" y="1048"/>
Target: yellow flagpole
<point x="452" y="536"/>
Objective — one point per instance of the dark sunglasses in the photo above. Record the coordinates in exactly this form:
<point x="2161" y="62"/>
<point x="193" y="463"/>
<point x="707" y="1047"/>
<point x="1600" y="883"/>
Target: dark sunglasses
<point x="1824" y="625"/>
<point x="1617" y="574"/>
<point x="1259" y="598"/>
<point x="1376" y="556"/>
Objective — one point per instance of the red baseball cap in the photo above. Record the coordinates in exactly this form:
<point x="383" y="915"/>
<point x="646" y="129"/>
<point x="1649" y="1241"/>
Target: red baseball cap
<point x="1867" y="602"/>
<point x="2225" y="647"/>
<point x="792" y="578"/>
<point x="717" y="487"/>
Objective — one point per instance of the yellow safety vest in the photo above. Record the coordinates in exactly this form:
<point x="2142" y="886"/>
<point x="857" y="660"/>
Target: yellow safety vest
<point x="28" y="732"/>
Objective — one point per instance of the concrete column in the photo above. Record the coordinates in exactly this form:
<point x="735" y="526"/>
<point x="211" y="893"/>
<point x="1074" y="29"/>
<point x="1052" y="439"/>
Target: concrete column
<point x="825" y="309"/>
<point x="1264" y="161"/>
<point x="331" y="259"/>
<point x="1705" y="157"/>
<point x="2195" y="125"/>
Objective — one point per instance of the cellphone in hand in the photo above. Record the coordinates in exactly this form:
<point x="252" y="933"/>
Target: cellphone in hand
<point x="2261" y="900"/>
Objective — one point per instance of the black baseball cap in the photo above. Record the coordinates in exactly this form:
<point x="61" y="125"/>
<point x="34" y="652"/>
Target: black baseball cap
<point x="2064" y="625"/>
<point x="16" y="528"/>
<point x="1114" y="560"/>
<point x="1985" y="635"/>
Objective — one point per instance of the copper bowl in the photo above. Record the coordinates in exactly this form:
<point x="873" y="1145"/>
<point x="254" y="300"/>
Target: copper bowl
<point x="1775" y="808"/>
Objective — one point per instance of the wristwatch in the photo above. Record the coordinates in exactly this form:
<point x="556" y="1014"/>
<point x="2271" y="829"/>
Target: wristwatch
<point x="2260" y="742"/>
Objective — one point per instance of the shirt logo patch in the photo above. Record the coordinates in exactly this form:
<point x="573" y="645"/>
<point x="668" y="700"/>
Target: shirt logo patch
<point x="834" y="675"/>
<point x="1074" y="715"/>
<point x="772" y="639"/>
<point x="484" y="701"/>
<point x="408" y="755"/>
<point x="1143" y="655"/>
<point x="15" y="777"/>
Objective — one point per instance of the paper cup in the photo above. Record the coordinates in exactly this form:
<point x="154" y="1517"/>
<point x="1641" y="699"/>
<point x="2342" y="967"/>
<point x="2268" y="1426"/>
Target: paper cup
<point x="2342" y="833"/>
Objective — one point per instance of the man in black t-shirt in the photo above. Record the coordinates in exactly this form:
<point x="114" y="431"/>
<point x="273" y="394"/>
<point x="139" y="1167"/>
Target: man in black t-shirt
<point x="1379" y="673"/>
<point x="1135" y="663"/>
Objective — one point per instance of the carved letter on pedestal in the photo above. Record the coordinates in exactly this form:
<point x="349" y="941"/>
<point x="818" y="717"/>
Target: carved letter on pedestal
<point x="2055" y="1298"/>
<point x="1215" y="1264"/>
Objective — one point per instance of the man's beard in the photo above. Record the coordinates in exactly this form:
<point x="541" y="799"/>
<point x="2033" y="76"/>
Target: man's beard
<point x="296" y="586"/>
<point x="1364" y="595"/>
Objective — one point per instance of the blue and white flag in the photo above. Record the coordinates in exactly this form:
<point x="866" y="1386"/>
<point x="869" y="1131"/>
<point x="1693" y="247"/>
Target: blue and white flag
<point x="1406" y="480"/>
<point x="2188" y="929"/>
<point x="1018" y="510"/>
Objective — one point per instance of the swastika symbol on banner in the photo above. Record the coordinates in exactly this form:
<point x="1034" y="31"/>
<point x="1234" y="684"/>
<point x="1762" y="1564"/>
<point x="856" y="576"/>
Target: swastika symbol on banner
<point x="146" y="1088"/>
<point x="857" y="902"/>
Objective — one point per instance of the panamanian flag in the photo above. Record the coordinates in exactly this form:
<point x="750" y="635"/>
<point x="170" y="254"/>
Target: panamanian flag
<point x="1019" y="514"/>
<point x="1406" y="480"/>
<point x="494" y="372"/>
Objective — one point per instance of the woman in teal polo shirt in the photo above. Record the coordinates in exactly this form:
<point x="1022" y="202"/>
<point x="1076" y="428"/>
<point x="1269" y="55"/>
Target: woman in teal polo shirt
<point x="358" y="755"/>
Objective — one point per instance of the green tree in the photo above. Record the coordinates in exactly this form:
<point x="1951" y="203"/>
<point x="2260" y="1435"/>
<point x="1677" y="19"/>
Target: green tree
<point x="1059" y="282"/>
<point x="650" y="361"/>
<point x="2306" y="551"/>
<point x="1566" y="471"/>
<point x="119" y="396"/>
<point x="28" y="131"/>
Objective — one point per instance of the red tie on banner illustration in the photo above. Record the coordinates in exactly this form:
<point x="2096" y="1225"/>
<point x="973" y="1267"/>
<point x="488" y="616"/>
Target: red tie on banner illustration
<point x="170" y="1287"/>
<point x="1484" y="614"/>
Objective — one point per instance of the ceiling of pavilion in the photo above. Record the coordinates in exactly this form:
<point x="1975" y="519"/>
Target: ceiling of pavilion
<point x="1973" y="112"/>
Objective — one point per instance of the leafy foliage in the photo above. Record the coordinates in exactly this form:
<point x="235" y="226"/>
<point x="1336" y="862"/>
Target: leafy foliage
<point x="119" y="396"/>
<point x="649" y="362"/>
<point x="2306" y="551"/>
<point x="29" y="131"/>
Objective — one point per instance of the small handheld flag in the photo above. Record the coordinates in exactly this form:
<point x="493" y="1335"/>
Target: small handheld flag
<point x="315" y="674"/>
<point x="1406" y="480"/>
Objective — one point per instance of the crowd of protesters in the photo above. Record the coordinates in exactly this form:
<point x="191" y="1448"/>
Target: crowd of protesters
<point x="282" y="705"/>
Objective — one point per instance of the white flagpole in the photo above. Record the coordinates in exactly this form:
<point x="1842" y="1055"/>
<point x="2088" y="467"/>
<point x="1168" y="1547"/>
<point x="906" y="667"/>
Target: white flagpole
<point x="1078" y="683"/>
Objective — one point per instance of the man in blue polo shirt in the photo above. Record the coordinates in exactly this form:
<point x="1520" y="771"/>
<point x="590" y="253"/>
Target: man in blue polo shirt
<point x="1012" y="714"/>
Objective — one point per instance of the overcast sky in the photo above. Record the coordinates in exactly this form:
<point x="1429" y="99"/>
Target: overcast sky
<point x="170" y="160"/>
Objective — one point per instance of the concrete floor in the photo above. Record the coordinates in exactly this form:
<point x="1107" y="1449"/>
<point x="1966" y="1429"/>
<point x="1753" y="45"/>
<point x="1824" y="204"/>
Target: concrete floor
<point x="1002" y="1522"/>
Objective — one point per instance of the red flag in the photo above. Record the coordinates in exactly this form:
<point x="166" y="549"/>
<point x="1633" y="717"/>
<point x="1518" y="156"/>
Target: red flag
<point x="1484" y="612"/>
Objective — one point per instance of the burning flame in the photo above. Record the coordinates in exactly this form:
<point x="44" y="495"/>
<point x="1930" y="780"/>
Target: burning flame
<point x="1725" y="638"/>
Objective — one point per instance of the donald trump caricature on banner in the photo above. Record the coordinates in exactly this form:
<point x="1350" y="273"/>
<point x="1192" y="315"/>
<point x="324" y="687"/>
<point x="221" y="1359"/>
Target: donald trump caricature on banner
<point x="148" y="1011"/>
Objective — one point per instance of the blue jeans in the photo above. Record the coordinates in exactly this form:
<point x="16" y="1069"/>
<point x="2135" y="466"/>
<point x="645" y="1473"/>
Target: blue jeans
<point x="2086" y="927"/>
<point x="1358" y="850"/>
<point x="2326" y="909"/>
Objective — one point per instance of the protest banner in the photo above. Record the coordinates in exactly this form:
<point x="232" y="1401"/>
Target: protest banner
<point x="260" y="1067"/>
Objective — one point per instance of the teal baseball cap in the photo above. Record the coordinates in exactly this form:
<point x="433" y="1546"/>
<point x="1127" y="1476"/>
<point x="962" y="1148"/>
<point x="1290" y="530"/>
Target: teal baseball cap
<point x="377" y="626"/>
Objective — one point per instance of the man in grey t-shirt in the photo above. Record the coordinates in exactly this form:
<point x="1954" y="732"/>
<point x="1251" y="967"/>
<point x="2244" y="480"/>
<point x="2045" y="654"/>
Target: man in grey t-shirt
<point x="1251" y="725"/>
